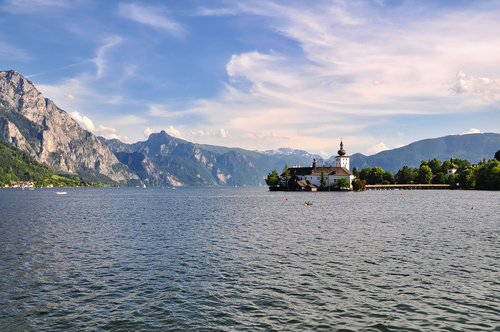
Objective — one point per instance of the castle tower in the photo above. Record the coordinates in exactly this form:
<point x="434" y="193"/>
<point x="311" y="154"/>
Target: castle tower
<point x="342" y="160"/>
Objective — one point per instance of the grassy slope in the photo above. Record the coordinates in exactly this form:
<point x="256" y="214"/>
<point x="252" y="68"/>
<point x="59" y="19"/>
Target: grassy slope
<point x="17" y="166"/>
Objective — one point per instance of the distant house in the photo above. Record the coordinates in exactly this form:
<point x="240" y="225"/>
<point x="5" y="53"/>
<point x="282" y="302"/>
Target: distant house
<point x="309" y="178"/>
<point x="452" y="169"/>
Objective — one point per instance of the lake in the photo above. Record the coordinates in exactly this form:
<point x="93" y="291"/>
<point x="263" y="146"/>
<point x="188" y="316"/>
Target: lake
<point x="225" y="259"/>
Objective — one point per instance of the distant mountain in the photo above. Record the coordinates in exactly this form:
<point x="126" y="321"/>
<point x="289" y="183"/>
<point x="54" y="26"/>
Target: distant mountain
<point x="36" y="125"/>
<point x="473" y="147"/>
<point x="163" y="160"/>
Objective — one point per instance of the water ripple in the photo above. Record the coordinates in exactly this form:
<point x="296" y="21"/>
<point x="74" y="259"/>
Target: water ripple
<point x="247" y="259"/>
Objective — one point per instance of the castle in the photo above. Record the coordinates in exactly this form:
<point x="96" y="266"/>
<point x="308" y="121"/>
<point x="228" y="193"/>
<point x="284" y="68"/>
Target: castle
<point x="311" y="178"/>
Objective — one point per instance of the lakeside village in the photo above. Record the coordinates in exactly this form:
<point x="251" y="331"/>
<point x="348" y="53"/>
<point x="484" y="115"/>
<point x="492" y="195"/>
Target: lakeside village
<point x="432" y="174"/>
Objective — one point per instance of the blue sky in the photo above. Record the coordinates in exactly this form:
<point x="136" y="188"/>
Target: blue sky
<point x="263" y="74"/>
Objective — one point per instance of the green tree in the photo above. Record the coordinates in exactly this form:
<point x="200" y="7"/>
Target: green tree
<point x="342" y="183"/>
<point x="376" y="176"/>
<point x="445" y="166"/>
<point x="364" y="173"/>
<point x="26" y="176"/>
<point x="424" y="174"/>
<point x="453" y="180"/>
<point x="388" y="178"/>
<point x="440" y="178"/>
<point x="273" y="179"/>
<point x="322" y="180"/>
<point x="406" y="175"/>
<point x="435" y="165"/>
<point x="286" y="172"/>
<point x="488" y="175"/>
<point x="355" y="172"/>
<point x="461" y="163"/>
<point x="358" y="185"/>
<point x="467" y="179"/>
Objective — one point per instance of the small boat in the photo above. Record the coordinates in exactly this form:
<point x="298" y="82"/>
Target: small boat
<point x="61" y="193"/>
<point x="308" y="203"/>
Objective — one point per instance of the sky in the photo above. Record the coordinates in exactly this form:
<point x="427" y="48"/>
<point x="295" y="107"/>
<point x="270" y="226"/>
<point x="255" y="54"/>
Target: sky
<point x="262" y="75"/>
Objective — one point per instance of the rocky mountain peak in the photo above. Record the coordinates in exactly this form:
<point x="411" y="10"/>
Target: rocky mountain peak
<point x="161" y="136"/>
<point x="11" y="79"/>
<point x="35" y="124"/>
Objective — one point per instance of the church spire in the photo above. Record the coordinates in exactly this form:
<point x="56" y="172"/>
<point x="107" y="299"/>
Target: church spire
<point x="341" y="152"/>
<point x="342" y="160"/>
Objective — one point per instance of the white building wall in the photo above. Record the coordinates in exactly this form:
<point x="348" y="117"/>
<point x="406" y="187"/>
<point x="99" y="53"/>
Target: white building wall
<point x="342" y="161"/>
<point x="330" y="181"/>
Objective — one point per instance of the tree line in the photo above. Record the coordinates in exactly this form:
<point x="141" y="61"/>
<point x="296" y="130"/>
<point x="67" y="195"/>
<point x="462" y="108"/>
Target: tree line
<point x="485" y="175"/>
<point x="458" y="173"/>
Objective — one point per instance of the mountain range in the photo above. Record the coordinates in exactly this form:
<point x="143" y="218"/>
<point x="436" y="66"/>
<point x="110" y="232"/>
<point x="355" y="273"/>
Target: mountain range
<point x="163" y="160"/>
<point x="472" y="147"/>
<point x="34" y="124"/>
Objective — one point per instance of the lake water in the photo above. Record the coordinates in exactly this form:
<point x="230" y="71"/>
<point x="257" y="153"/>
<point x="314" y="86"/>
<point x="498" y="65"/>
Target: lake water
<point x="230" y="259"/>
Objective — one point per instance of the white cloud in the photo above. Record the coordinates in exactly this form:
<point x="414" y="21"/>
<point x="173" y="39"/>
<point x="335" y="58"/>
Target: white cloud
<point x="172" y="131"/>
<point x="223" y="133"/>
<point x="107" y="132"/>
<point x="99" y="130"/>
<point x="324" y="154"/>
<point x="197" y="133"/>
<point x="256" y="66"/>
<point x="473" y="131"/>
<point x="205" y="11"/>
<point x="100" y="58"/>
<point x="155" y="17"/>
<point x="83" y="120"/>
<point x="71" y="92"/>
<point x="378" y="148"/>
<point x="164" y="111"/>
<point x="484" y="86"/>
<point x="32" y="6"/>
<point x="158" y="110"/>
<point x="129" y="120"/>
<point x="8" y="51"/>
<point x="358" y="65"/>
<point x="353" y="66"/>
<point x="148" y="131"/>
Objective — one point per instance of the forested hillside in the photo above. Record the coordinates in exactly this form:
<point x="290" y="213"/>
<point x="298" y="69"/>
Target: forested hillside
<point x="17" y="168"/>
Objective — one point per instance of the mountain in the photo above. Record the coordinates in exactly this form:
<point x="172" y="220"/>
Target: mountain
<point x="473" y="147"/>
<point x="34" y="124"/>
<point x="18" y="168"/>
<point x="163" y="160"/>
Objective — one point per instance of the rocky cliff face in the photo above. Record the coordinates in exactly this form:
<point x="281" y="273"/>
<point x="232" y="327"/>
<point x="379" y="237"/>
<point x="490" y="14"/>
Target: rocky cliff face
<point x="163" y="160"/>
<point x="35" y="124"/>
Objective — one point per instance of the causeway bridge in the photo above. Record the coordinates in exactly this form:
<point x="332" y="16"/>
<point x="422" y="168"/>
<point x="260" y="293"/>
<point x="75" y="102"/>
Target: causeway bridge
<point x="406" y="186"/>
